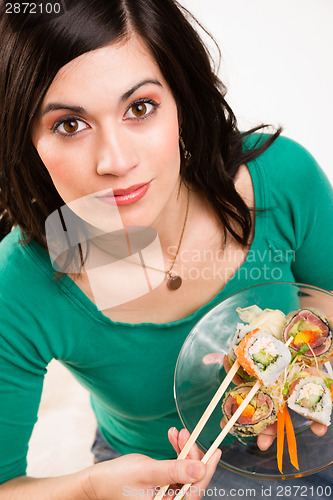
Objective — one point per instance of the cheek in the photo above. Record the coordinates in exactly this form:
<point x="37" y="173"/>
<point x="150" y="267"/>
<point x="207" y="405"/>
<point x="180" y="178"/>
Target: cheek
<point x="165" y="145"/>
<point x="61" y="162"/>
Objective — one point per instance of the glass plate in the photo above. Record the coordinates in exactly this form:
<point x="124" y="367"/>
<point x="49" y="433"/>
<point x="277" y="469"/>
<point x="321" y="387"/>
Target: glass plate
<point x="195" y="383"/>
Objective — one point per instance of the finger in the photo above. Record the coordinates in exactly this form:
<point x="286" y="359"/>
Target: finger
<point x="313" y="370"/>
<point x="197" y="489"/>
<point x="173" y="435"/>
<point x="223" y="423"/>
<point x="214" y="358"/>
<point x="318" y="429"/>
<point x="194" y="452"/>
<point x="266" y="437"/>
<point x="183" y="438"/>
<point x="174" y="471"/>
<point x="237" y="379"/>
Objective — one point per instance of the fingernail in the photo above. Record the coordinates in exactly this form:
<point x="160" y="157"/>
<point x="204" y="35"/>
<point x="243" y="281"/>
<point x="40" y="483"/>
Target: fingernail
<point x="208" y="359"/>
<point x="196" y="471"/>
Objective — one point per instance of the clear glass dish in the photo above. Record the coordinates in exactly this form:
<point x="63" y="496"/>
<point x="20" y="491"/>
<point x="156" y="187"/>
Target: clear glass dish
<point x="195" y="383"/>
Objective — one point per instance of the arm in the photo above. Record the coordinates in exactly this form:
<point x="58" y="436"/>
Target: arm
<point x="71" y="487"/>
<point x="129" y="475"/>
<point x="108" y="480"/>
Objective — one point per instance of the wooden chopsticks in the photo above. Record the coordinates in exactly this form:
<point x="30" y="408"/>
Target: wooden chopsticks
<point x="222" y="434"/>
<point x="203" y="420"/>
<point x="230" y="423"/>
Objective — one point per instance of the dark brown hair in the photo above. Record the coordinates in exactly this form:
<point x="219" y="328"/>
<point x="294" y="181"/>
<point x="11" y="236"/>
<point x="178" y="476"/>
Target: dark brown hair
<point x="33" y="49"/>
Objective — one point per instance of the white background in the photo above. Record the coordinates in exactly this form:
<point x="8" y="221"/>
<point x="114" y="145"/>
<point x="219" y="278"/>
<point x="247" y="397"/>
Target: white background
<point x="277" y="64"/>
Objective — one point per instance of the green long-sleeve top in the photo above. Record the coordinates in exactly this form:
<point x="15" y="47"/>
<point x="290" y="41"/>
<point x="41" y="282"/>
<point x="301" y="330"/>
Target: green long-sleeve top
<point x="132" y="393"/>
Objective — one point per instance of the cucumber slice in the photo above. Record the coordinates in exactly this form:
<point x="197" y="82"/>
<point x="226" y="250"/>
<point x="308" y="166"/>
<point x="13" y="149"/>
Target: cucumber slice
<point x="260" y="412"/>
<point x="297" y="327"/>
<point x="294" y="330"/>
<point x="310" y="401"/>
<point x="263" y="358"/>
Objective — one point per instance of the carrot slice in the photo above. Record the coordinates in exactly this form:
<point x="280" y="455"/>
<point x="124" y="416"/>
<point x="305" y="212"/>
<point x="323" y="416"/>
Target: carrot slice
<point x="305" y="337"/>
<point x="291" y="439"/>
<point x="280" y="437"/>
<point x="248" y="411"/>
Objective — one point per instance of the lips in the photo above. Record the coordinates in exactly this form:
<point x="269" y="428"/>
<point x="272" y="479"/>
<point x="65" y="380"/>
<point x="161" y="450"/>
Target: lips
<point x="128" y="196"/>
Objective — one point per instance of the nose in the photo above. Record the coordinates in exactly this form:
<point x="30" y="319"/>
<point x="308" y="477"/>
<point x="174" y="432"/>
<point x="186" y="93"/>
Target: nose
<point x="117" y="154"/>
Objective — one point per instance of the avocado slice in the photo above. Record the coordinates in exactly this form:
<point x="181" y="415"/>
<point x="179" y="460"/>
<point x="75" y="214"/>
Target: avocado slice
<point x="297" y="327"/>
<point x="263" y="358"/>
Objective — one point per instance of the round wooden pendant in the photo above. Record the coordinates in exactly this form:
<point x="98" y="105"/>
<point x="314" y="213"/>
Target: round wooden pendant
<point x="174" y="282"/>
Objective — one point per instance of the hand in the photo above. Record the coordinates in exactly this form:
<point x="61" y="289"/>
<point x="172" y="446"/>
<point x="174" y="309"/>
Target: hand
<point x="140" y="476"/>
<point x="178" y="441"/>
<point x="218" y="358"/>
<point x="266" y="437"/>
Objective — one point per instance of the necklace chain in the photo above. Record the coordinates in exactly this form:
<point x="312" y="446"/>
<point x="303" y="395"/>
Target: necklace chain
<point x="168" y="273"/>
<point x="175" y="281"/>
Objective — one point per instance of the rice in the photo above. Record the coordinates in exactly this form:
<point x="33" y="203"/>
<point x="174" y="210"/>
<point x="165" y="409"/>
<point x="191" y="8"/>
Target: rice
<point x="315" y="388"/>
<point x="263" y="356"/>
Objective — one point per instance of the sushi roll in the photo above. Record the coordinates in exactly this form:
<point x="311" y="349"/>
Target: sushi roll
<point x="263" y="356"/>
<point x="257" y="415"/>
<point x="312" y="399"/>
<point x="312" y="328"/>
<point x="241" y="331"/>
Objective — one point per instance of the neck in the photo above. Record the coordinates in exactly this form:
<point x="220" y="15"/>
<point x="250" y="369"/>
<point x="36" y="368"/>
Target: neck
<point x="170" y="222"/>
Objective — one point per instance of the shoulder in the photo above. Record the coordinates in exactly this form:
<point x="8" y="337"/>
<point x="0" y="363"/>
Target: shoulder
<point x="32" y="305"/>
<point x="20" y="271"/>
<point x="288" y="169"/>
<point x="292" y="191"/>
<point x="285" y="156"/>
<point x="11" y="254"/>
<point x="244" y="186"/>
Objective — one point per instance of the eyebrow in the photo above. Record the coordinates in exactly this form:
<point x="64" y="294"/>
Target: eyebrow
<point x="54" y="106"/>
<point x="128" y="94"/>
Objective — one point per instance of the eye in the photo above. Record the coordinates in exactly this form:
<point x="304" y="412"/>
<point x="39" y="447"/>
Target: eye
<point x="141" y="109"/>
<point x="69" y="126"/>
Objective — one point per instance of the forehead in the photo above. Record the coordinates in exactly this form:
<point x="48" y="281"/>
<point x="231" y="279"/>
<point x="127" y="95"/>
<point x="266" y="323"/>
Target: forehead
<point x="114" y="67"/>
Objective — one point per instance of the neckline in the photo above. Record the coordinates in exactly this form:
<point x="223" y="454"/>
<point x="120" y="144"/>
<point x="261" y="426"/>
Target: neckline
<point x="90" y="308"/>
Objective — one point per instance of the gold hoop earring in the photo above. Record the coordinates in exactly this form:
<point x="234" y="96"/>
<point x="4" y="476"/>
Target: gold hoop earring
<point x="187" y="154"/>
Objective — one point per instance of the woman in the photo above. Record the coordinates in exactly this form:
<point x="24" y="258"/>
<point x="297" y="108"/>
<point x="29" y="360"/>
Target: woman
<point x="114" y="121"/>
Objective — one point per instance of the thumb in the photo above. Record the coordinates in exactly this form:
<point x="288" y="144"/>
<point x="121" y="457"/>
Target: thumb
<point x="176" y="471"/>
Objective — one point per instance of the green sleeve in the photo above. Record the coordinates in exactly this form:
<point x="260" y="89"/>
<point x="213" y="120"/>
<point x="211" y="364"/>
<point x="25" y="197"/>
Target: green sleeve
<point x="23" y="355"/>
<point x="300" y="211"/>
<point x="313" y="261"/>
<point x="21" y="382"/>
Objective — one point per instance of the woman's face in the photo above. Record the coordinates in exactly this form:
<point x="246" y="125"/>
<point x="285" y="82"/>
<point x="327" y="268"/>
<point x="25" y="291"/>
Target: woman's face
<point x="109" y="123"/>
